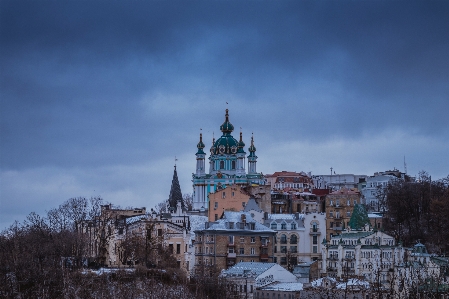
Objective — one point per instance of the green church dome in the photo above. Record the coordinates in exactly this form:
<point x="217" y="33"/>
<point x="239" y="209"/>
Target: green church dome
<point x="226" y="144"/>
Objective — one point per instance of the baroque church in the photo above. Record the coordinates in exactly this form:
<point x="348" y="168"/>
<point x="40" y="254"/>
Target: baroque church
<point x="226" y="166"/>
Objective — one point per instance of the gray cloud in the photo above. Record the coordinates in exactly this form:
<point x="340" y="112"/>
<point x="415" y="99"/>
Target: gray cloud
<point x="88" y="89"/>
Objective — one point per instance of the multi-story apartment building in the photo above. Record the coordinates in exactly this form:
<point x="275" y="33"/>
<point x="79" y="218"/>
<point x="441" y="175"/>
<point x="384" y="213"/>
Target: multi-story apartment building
<point x="281" y="180"/>
<point x="335" y="181"/>
<point x="103" y="230"/>
<point x="298" y="237"/>
<point x="339" y="206"/>
<point x="237" y="237"/>
<point x="377" y="258"/>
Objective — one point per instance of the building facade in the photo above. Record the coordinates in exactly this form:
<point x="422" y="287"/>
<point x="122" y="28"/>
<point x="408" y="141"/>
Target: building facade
<point x="339" y="206"/>
<point x="237" y="237"/>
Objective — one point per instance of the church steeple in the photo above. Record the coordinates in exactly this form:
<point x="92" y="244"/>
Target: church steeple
<point x="175" y="192"/>
<point x="252" y="158"/>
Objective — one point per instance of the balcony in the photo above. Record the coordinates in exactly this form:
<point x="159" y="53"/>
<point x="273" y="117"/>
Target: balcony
<point x="337" y="228"/>
<point x="314" y="231"/>
<point x="232" y="255"/>
<point x="263" y="257"/>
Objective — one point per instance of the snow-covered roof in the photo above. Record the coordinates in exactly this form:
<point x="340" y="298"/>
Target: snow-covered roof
<point x="284" y="216"/>
<point x="284" y="286"/>
<point x="196" y="223"/>
<point x="353" y="283"/>
<point x="134" y="219"/>
<point x="319" y="282"/>
<point x="371" y="215"/>
<point x="252" y="205"/>
<point x="253" y="268"/>
<point x="235" y="217"/>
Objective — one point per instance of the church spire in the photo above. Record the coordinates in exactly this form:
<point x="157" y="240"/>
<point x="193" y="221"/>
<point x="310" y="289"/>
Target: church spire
<point x="175" y="192"/>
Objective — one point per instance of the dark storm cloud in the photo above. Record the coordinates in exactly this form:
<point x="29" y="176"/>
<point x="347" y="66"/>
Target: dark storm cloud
<point x="105" y="85"/>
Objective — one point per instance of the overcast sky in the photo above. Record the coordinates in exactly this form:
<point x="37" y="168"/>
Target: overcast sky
<point x="98" y="97"/>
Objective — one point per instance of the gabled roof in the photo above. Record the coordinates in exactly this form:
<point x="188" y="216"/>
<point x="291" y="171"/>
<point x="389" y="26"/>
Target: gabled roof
<point x="252" y="205"/>
<point x="236" y="217"/>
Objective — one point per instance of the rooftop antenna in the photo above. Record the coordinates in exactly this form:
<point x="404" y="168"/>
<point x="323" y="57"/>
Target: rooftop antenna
<point x="175" y="161"/>
<point x="405" y="166"/>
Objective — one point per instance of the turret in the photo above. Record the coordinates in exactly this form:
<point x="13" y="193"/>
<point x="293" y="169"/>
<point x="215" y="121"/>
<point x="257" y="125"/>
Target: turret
<point x="252" y="158"/>
<point x="200" y="157"/>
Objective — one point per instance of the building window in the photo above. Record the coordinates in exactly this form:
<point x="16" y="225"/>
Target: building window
<point x="221" y="164"/>
<point x="284" y="226"/>
<point x="178" y="248"/>
<point x="293" y="249"/>
<point x="216" y="204"/>
<point x="283" y="249"/>
<point x="231" y="239"/>
<point x="283" y="262"/>
<point x="233" y="164"/>
<point x="170" y="248"/>
<point x="274" y="226"/>
<point x="315" y="240"/>
<point x="242" y="250"/>
<point x="223" y="195"/>
<point x="293" y="239"/>
<point x="253" y="239"/>
<point x="242" y="239"/>
<point x="315" y="249"/>
<point x="283" y="239"/>
<point x="243" y="204"/>
<point x="216" y="217"/>
<point x="331" y="214"/>
<point x="253" y="250"/>
<point x="293" y="225"/>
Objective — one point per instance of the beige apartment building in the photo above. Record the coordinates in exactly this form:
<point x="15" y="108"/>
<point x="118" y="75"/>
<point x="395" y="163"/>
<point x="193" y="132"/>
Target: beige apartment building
<point x="339" y="206"/>
<point x="232" y="198"/>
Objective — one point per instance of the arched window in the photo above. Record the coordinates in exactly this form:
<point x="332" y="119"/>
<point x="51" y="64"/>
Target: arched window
<point x="293" y="239"/>
<point x="221" y="164"/>
<point x="283" y="239"/>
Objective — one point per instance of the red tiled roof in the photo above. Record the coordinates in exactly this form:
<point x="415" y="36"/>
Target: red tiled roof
<point x="320" y="191"/>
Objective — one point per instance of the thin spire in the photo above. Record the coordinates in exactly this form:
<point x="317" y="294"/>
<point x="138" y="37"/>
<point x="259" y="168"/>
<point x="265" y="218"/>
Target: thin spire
<point x="175" y="191"/>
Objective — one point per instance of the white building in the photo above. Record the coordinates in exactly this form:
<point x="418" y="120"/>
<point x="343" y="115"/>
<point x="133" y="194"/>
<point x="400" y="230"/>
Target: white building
<point x="298" y="237"/>
<point x="338" y="181"/>
<point x="374" y="195"/>
<point x="250" y="276"/>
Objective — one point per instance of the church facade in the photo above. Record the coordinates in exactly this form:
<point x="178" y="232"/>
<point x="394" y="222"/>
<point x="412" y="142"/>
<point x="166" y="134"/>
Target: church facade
<point x="227" y="163"/>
